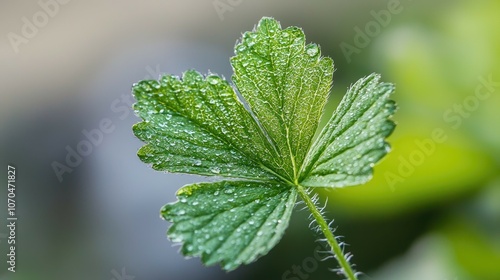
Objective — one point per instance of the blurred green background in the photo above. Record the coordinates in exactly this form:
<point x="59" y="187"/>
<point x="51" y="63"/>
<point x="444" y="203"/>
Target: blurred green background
<point x="432" y="210"/>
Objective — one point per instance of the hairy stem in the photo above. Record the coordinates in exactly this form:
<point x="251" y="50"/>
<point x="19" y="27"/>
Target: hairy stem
<point x="330" y="238"/>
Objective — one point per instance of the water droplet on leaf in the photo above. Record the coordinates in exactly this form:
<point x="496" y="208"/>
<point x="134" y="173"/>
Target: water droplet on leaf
<point x="215" y="170"/>
<point x="312" y="50"/>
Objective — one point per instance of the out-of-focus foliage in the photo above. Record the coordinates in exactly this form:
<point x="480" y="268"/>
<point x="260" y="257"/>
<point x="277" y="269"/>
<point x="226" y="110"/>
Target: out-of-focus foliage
<point x="441" y="67"/>
<point x="465" y="244"/>
<point x="437" y="66"/>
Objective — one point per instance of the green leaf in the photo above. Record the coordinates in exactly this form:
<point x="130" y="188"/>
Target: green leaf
<point x="231" y="222"/>
<point x="354" y="138"/>
<point x="197" y="125"/>
<point x="260" y="138"/>
<point x="286" y="84"/>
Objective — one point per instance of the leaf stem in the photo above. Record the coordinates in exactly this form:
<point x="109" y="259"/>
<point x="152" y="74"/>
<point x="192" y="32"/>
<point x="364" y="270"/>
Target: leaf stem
<point x="330" y="237"/>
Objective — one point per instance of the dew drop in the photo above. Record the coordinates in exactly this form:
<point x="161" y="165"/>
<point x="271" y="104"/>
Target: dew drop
<point x="213" y="80"/>
<point x="215" y="170"/>
<point x="241" y="48"/>
<point x="312" y="50"/>
<point x="250" y="42"/>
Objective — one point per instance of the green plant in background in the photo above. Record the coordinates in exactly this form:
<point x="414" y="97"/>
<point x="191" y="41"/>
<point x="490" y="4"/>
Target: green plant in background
<point x="259" y="135"/>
